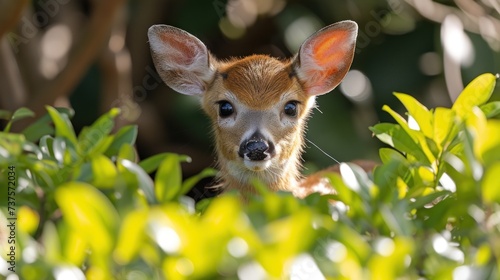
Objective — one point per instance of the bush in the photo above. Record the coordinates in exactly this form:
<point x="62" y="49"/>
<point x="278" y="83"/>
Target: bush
<point x="86" y="209"/>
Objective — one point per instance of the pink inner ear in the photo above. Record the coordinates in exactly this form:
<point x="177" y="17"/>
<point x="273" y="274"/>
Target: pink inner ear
<point x="329" y="48"/>
<point x="184" y="53"/>
<point x="326" y="58"/>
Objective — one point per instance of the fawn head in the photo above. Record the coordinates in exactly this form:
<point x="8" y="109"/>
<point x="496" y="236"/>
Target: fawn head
<point x="258" y="105"/>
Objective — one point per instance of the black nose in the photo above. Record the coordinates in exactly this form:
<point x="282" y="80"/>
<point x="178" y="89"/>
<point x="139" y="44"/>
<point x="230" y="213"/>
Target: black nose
<point x="256" y="148"/>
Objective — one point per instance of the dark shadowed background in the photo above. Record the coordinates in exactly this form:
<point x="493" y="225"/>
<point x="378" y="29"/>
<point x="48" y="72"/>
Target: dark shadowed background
<point x="94" y="55"/>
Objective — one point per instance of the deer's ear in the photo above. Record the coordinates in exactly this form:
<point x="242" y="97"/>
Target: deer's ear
<point x="181" y="59"/>
<point x="325" y="57"/>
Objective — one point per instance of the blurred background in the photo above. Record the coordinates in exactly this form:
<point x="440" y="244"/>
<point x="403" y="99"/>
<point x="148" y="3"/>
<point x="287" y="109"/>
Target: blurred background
<point x="94" y="55"/>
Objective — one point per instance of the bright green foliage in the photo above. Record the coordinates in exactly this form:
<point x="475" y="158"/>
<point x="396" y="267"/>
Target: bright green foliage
<point x="87" y="208"/>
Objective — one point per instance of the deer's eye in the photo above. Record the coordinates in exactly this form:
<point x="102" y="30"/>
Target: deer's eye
<point x="225" y="109"/>
<point x="291" y="108"/>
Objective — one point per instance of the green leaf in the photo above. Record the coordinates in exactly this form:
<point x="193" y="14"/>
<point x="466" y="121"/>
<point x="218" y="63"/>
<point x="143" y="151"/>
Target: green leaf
<point x="476" y="93"/>
<point x="417" y="136"/>
<point x="64" y="151"/>
<point x="491" y="109"/>
<point x="143" y="181"/>
<point x="104" y="172"/>
<point x="96" y="133"/>
<point x="131" y="237"/>
<point x="396" y="219"/>
<point x="12" y="143"/>
<point x="19" y="114"/>
<point x="126" y="135"/>
<point x="47" y="146"/>
<point x="101" y="147"/>
<point x="487" y="142"/>
<point x="127" y="151"/>
<point x="189" y="183"/>
<point x="168" y="179"/>
<point x="419" y="112"/>
<point x="88" y="211"/>
<point x="387" y="155"/>
<point x="394" y="136"/>
<point x="444" y="119"/>
<point x="51" y="243"/>
<point x="490" y="187"/>
<point x="43" y="126"/>
<point x="151" y="163"/>
<point x="423" y="200"/>
<point x="64" y="128"/>
<point x="22" y="113"/>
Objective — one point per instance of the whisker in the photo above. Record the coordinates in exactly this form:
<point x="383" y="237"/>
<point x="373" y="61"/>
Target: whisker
<point x="325" y="153"/>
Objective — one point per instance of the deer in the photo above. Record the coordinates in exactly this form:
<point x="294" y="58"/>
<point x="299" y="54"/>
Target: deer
<point x="258" y="105"/>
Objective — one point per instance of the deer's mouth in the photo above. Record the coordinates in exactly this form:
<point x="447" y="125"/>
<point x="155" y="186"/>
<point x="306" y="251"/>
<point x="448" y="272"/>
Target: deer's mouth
<point x="259" y="165"/>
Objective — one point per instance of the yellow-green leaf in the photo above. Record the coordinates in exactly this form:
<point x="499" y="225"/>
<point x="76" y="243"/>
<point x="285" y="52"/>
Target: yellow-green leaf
<point x="104" y="171"/>
<point x="487" y="142"/>
<point x="88" y="211"/>
<point x="444" y="119"/>
<point x="131" y="236"/>
<point x="490" y="185"/>
<point x="136" y="176"/>
<point x="491" y="109"/>
<point x="168" y="179"/>
<point x="127" y="151"/>
<point x="417" y="136"/>
<point x="92" y="136"/>
<point x="419" y="112"/>
<point x="63" y="125"/>
<point x="476" y="93"/>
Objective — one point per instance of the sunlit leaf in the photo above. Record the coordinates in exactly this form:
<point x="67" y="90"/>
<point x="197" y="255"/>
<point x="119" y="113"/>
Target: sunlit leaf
<point x="279" y="241"/>
<point x="143" y="181"/>
<point x="64" y="128"/>
<point x="12" y="143"/>
<point x="490" y="185"/>
<point x="88" y="211"/>
<point x="419" y="112"/>
<point x="128" y="152"/>
<point x="104" y="172"/>
<point x="131" y="237"/>
<point x="444" y="119"/>
<point x="417" y="136"/>
<point x="491" y="109"/>
<point x="52" y="245"/>
<point x="28" y="219"/>
<point x="487" y="143"/>
<point x="75" y="247"/>
<point x="476" y="93"/>
<point x="394" y="136"/>
<point x="168" y="180"/>
<point x="387" y="154"/>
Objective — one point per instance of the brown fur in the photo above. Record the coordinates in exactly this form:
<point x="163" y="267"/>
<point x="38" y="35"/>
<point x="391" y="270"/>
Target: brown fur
<point x="258" y="82"/>
<point x="258" y="87"/>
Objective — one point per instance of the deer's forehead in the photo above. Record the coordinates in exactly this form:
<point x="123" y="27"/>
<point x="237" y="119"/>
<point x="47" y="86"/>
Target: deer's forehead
<point x="259" y="82"/>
